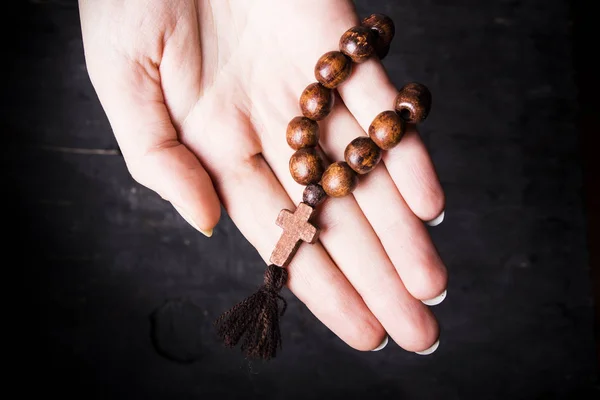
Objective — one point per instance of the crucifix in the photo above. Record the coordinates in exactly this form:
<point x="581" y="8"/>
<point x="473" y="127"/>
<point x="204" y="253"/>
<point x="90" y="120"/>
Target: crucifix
<point x="296" y="229"/>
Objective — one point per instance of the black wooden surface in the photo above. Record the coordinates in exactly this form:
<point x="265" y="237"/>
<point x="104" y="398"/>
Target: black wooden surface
<point x="100" y="254"/>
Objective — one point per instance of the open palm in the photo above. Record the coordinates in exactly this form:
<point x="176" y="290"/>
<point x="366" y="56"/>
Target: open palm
<point x="199" y="94"/>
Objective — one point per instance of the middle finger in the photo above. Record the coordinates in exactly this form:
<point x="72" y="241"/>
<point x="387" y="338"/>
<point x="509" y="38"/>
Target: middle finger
<point x="402" y="234"/>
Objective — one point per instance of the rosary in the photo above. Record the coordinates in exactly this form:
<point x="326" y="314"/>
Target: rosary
<point x="256" y="319"/>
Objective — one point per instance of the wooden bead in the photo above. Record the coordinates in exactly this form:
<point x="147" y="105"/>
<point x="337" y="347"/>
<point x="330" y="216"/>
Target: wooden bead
<point x="339" y="180"/>
<point x="313" y="195"/>
<point x="316" y="101"/>
<point x="387" y="129"/>
<point x="302" y="132"/>
<point x="356" y="43"/>
<point x="381" y="51"/>
<point x="383" y="25"/>
<point x="413" y="103"/>
<point x="333" y="69"/>
<point x="362" y="155"/>
<point x="306" y="166"/>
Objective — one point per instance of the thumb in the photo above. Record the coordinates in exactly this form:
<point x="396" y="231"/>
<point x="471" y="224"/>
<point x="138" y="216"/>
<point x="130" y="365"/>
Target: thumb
<point x="132" y="98"/>
<point x="171" y="170"/>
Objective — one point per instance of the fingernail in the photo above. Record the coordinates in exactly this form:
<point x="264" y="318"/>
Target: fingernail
<point x="383" y="343"/>
<point x="436" y="300"/>
<point x="207" y="233"/>
<point x="437" y="220"/>
<point x="429" y="350"/>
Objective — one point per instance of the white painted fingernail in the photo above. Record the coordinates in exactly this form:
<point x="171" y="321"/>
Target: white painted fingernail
<point x="429" y="350"/>
<point x="437" y="220"/>
<point x="436" y="300"/>
<point x="207" y="233"/>
<point x="383" y="344"/>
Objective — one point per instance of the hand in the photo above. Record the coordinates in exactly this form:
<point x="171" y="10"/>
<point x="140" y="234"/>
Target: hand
<point x="199" y="94"/>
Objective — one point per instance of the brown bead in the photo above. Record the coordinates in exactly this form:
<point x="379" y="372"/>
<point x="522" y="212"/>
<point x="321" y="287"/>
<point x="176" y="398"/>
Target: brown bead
<point x="381" y="51"/>
<point x="356" y="43"/>
<point x="362" y="155"/>
<point x="387" y="129"/>
<point x="339" y="180"/>
<point x="316" y="101"/>
<point x="333" y="69"/>
<point x="306" y="166"/>
<point x="413" y="103"/>
<point x="313" y="195"/>
<point x="383" y="25"/>
<point x="302" y="132"/>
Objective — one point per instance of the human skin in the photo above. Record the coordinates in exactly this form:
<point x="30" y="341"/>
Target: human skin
<point x="199" y="94"/>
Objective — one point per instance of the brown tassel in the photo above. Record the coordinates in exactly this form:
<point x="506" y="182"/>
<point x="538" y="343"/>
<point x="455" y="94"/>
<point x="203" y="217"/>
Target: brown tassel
<point x="256" y="319"/>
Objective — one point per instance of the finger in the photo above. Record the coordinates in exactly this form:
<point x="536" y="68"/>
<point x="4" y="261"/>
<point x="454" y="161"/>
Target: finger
<point x="253" y="198"/>
<point x="403" y="236"/>
<point x="131" y="95"/>
<point x="180" y="67"/>
<point x="413" y="172"/>
<point x="366" y="94"/>
<point x="356" y="250"/>
<point x="164" y="36"/>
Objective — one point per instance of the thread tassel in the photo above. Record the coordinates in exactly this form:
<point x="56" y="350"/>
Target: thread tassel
<point x="256" y="319"/>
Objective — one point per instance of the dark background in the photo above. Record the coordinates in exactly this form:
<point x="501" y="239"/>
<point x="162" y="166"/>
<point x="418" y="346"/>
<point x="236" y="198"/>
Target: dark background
<point x="89" y="255"/>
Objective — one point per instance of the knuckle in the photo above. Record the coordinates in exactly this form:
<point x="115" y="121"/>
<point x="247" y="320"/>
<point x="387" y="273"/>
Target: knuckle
<point x="145" y="166"/>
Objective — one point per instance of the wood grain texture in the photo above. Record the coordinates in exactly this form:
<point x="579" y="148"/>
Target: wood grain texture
<point x="306" y="166"/>
<point x="316" y="101"/>
<point x="384" y="30"/>
<point x="383" y="25"/>
<point x="339" y="180"/>
<point x="302" y="132"/>
<point x="332" y="69"/>
<point x="387" y="129"/>
<point x="357" y="43"/>
<point x="296" y="229"/>
<point x="362" y="155"/>
<point x="413" y="102"/>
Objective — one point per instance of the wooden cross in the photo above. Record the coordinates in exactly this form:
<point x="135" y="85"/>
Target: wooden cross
<point x="296" y="228"/>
